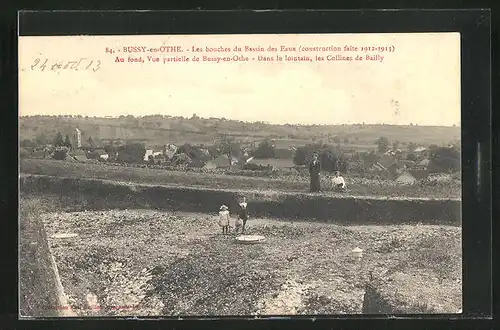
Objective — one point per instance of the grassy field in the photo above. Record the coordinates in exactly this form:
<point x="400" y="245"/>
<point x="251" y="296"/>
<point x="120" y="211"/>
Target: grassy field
<point x="357" y="186"/>
<point x="179" y="264"/>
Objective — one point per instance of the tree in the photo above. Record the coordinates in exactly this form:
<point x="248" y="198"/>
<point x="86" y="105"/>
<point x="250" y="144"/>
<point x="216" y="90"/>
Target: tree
<point x="444" y="159"/>
<point x="266" y="149"/>
<point x="226" y="145"/>
<point x="382" y="144"/>
<point x="41" y="140"/>
<point x="91" y="142"/>
<point x="132" y="153"/>
<point x="67" y="141"/>
<point x="372" y="157"/>
<point x="111" y="151"/>
<point x="412" y="157"/>
<point x="58" y="141"/>
<point x="330" y="160"/>
<point x="26" y="143"/>
<point x="432" y="148"/>
<point x="299" y="157"/>
<point x="60" y="154"/>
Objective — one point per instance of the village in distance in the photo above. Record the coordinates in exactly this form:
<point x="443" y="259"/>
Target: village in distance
<point x="404" y="154"/>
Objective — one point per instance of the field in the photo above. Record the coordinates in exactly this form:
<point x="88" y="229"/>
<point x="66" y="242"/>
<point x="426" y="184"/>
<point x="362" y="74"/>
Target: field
<point x="160" y="130"/>
<point x="179" y="263"/>
<point x="357" y="186"/>
<point x="148" y="244"/>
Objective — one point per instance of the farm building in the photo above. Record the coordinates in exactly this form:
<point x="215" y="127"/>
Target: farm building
<point x="149" y="152"/>
<point x="386" y="161"/>
<point x="97" y="154"/>
<point x="419" y="149"/>
<point x="152" y="154"/>
<point x="158" y="158"/>
<point x="78" y="155"/>
<point x="422" y="165"/>
<point x="406" y="163"/>
<point x="412" y="176"/>
<point x="406" y="178"/>
<point x="388" y="167"/>
<point x="220" y="162"/>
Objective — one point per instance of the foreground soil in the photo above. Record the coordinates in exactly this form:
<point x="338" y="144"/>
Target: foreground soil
<point x="145" y="262"/>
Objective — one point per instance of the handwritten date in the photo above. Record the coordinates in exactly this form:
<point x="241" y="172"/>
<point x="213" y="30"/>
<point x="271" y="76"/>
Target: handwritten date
<point x="54" y="65"/>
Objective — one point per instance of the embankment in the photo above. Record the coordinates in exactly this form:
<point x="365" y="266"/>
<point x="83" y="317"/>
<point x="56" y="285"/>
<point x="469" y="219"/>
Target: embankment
<point x="40" y="291"/>
<point x="95" y="194"/>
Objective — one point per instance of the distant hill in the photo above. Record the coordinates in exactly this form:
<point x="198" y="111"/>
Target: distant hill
<point x="160" y="130"/>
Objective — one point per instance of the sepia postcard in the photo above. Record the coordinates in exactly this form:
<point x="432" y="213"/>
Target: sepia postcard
<point x="240" y="175"/>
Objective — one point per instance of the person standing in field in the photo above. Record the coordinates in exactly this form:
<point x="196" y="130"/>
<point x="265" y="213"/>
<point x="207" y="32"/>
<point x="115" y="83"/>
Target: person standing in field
<point x="224" y="219"/>
<point x="314" y="169"/>
<point x="243" y="214"/>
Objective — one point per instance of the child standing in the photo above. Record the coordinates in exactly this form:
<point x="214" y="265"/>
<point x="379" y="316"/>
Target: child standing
<point x="224" y="219"/>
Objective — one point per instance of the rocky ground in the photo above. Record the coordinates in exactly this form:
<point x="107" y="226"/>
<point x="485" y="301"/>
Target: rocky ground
<point x="145" y="262"/>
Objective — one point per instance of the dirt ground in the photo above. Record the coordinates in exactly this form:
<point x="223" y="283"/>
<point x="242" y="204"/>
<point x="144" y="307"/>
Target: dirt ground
<point x="146" y="262"/>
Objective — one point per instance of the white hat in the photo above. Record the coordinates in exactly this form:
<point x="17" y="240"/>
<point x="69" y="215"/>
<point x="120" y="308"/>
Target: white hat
<point x="223" y="207"/>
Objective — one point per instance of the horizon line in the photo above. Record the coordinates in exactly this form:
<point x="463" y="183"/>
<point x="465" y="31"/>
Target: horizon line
<point x="229" y="119"/>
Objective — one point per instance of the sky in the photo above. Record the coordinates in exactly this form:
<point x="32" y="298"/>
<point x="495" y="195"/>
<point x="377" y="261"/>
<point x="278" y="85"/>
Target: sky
<point x="418" y="83"/>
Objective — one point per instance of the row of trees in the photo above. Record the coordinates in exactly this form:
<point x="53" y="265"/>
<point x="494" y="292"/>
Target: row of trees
<point x="331" y="158"/>
<point x="41" y="140"/>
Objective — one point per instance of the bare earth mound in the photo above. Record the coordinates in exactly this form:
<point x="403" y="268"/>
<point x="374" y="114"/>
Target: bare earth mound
<point x="144" y="262"/>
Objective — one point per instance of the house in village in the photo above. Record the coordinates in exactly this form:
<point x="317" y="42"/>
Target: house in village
<point x="406" y="164"/>
<point x="422" y="165"/>
<point x="154" y="156"/>
<point x="412" y="176"/>
<point x="148" y="154"/>
<point x="419" y="150"/>
<point x="78" y="155"/>
<point x="222" y="161"/>
<point x="388" y="166"/>
<point x="98" y="153"/>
